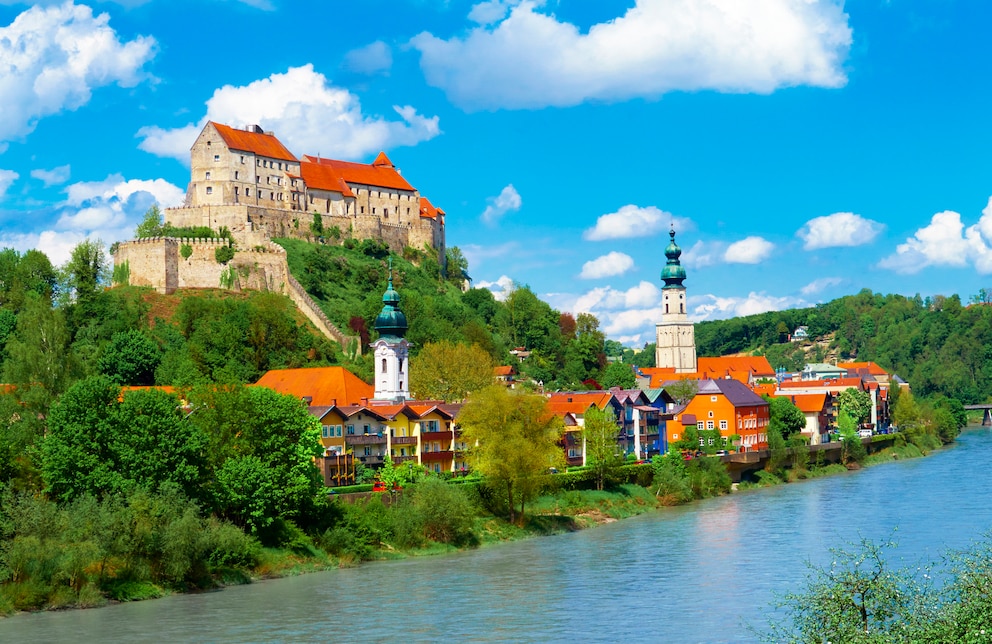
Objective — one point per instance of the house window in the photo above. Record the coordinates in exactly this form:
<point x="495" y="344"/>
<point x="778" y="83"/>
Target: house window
<point x="700" y="425"/>
<point x="712" y="398"/>
<point x="710" y="441"/>
<point x="337" y="428"/>
<point x="368" y="450"/>
<point x="402" y="451"/>
<point x="367" y="428"/>
<point x="210" y="190"/>
<point x="326" y="431"/>
<point x="702" y="442"/>
<point x="675" y="437"/>
<point x="709" y="424"/>
<point x="351" y="430"/>
<point x="711" y="414"/>
<point x="723" y="424"/>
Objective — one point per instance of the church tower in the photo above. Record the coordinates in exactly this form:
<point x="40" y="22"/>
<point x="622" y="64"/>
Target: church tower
<point x="676" y="337"/>
<point x="392" y="369"/>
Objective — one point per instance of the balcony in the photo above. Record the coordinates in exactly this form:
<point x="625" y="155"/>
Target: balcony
<point x="434" y="457"/>
<point x="444" y="434"/>
<point x="365" y="439"/>
<point x="371" y="460"/>
<point x="403" y="440"/>
<point x="404" y="459"/>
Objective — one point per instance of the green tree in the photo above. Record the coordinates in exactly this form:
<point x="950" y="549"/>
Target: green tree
<point x="450" y="371"/>
<point x="683" y="391"/>
<point x="39" y="359"/>
<point x="784" y="416"/>
<point x="130" y="359"/>
<point x="513" y="442"/>
<point x="151" y="225"/>
<point x="85" y="271"/>
<point x="603" y="456"/>
<point x="856" y="403"/>
<point x="618" y="374"/>
<point x="456" y="266"/>
<point x="853" y="448"/>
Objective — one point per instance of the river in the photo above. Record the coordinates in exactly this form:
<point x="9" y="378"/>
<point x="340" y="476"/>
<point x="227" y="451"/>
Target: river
<point x="689" y="574"/>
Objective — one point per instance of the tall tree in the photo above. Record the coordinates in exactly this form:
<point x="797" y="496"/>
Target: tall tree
<point x="513" y="441"/>
<point x="856" y="403"/>
<point x="602" y="452"/>
<point x="618" y="374"/>
<point x="784" y="416"/>
<point x="448" y="371"/>
<point x="130" y="359"/>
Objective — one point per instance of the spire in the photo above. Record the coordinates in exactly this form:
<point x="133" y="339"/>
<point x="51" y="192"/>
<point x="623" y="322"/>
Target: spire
<point x="391" y="322"/>
<point x="673" y="274"/>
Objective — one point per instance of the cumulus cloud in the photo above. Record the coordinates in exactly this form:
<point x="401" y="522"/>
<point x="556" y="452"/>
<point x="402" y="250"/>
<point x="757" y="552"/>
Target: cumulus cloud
<point x="945" y="241"/>
<point x="7" y="178"/>
<point x="54" y="57"/>
<point x="750" y="250"/>
<point x="54" y="177"/>
<point x="839" y="229"/>
<point x="529" y="59"/>
<point x="501" y="288"/>
<point x="476" y="255"/>
<point x="374" y="58"/>
<point x="107" y="210"/>
<point x="712" y="307"/>
<point x="702" y="254"/>
<point x="634" y="221"/>
<point x="306" y="112"/>
<point x="609" y="265"/>
<point x="508" y="200"/>
<point x="630" y="314"/>
<point x="819" y="285"/>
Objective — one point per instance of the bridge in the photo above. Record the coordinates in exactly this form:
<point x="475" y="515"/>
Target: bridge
<point x="986" y="416"/>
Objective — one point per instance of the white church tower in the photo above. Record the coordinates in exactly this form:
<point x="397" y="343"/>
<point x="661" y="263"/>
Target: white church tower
<point x="676" y="337"/>
<point x="392" y="368"/>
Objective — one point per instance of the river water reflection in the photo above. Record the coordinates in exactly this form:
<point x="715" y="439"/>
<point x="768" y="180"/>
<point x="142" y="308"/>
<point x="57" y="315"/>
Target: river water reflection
<point x="690" y="574"/>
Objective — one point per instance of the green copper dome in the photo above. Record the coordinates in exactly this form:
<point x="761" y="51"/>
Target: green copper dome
<point x="391" y="322"/>
<point x="673" y="274"/>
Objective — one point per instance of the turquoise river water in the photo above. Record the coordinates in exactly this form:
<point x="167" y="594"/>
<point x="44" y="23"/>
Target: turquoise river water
<point x="690" y="574"/>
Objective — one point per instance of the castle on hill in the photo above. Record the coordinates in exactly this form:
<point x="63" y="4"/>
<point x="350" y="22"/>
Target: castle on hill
<point x="247" y="181"/>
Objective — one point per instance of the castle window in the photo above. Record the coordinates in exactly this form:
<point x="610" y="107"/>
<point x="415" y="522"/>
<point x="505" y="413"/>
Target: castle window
<point x="247" y="192"/>
<point x="258" y="162"/>
<point x="385" y="213"/>
<point x="208" y="143"/>
<point x="408" y="211"/>
<point x="208" y="175"/>
<point x="216" y="157"/>
<point x="235" y="175"/>
<point x="373" y="210"/>
<point x="210" y="190"/>
<point x="235" y="191"/>
<point x="242" y="159"/>
<point x="363" y="210"/>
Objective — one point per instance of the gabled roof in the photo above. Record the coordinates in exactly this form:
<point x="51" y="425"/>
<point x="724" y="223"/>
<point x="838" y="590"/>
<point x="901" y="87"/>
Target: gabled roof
<point x="321" y="411"/>
<point x="428" y="210"/>
<point x="868" y="367"/>
<point x="264" y="145"/>
<point x="809" y="403"/>
<point x="507" y="370"/>
<point x="688" y="419"/>
<point x="325" y="386"/>
<point x="318" y="176"/>
<point x="737" y="393"/>
<point x="381" y="174"/>
<point x="577" y="402"/>
<point x="756" y="366"/>
<point x="837" y="384"/>
<point x="633" y="396"/>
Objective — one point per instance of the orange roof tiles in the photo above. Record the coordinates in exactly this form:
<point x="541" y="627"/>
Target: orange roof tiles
<point x="838" y="384"/>
<point x="504" y="371"/>
<point x="428" y="210"/>
<point x="872" y="368"/>
<point x="767" y="389"/>
<point x="319" y="176"/>
<point x="325" y="385"/>
<point x="809" y="403"/>
<point x="265" y="145"/>
<point x="381" y="174"/>
<point x="577" y="403"/>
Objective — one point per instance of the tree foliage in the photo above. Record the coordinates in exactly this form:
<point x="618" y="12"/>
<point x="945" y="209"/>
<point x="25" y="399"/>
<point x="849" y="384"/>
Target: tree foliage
<point x="855" y="403"/>
<point x="513" y="441"/>
<point x="451" y="372"/>
<point x="603" y="456"/>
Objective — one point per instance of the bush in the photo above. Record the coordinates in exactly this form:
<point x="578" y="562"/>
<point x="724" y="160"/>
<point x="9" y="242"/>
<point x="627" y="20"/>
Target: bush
<point x="228" y="547"/>
<point x="670" y="483"/>
<point x="442" y="512"/>
<point x="224" y="254"/>
<point x="708" y="477"/>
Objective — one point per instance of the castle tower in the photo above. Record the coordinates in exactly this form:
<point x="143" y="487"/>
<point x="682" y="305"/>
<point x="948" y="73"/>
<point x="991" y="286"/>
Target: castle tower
<point x="676" y="338"/>
<point x="392" y="369"/>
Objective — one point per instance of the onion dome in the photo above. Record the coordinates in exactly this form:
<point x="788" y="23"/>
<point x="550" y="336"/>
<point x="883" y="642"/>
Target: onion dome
<point x="391" y="322"/>
<point x="674" y="273"/>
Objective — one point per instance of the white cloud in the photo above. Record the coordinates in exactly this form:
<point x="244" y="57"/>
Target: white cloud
<point x="501" y="288"/>
<point x="609" y="265"/>
<point x="477" y="255"/>
<point x="531" y="60"/>
<point x="508" y="200"/>
<point x="53" y="177"/>
<point x="52" y="58"/>
<point x="374" y="58"/>
<point x="630" y="314"/>
<point x="946" y="242"/>
<point x="7" y="178"/>
<point x="750" y="250"/>
<point x="701" y="254"/>
<point x="839" y="229"/>
<point x="819" y="285"/>
<point x="711" y="307"/>
<point x="107" y="210"/>
<point x="307" y="113"/>
<point x="634" y="221"/>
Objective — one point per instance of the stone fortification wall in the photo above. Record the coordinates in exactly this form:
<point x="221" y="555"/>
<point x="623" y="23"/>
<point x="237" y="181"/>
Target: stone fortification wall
<point x="151" y="262"/>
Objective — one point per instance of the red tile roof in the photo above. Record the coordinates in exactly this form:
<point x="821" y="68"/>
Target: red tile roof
<point x="577" y="403"/>
<point x="809" y="403"/>
<point x="319" y="176"/>
<point x="428" y="210"/>
<point x="758" y="366"/>
<point x="870" y="367"/>
<point x="381" y="174"/>
<point x="504" y="371"/>
<point x="838" y="384"/>
<point x="265" y="145"/>
<point x="325" y="385"/>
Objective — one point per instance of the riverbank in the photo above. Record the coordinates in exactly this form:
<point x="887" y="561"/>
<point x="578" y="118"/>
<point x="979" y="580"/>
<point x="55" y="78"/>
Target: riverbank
<point x="374" y="532"/>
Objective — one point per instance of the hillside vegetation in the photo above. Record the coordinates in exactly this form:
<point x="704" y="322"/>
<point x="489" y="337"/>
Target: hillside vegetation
<point x="937" y="344"/>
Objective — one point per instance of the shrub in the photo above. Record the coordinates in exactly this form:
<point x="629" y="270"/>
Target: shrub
<point x="444" y="511"/>
<point x="708" y="477"/>
<point x="186" y="250"/>
<point x="223" y="254"/>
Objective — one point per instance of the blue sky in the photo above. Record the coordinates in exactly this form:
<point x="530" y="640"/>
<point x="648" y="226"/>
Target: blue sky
<point x="805" y="149"/>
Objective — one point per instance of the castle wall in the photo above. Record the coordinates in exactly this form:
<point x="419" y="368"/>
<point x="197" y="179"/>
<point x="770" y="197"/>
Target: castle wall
<point x="152" y="262"/>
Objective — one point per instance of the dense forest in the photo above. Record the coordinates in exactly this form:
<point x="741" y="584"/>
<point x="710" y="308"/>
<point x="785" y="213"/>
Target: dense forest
<point x="937" y="344"/>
